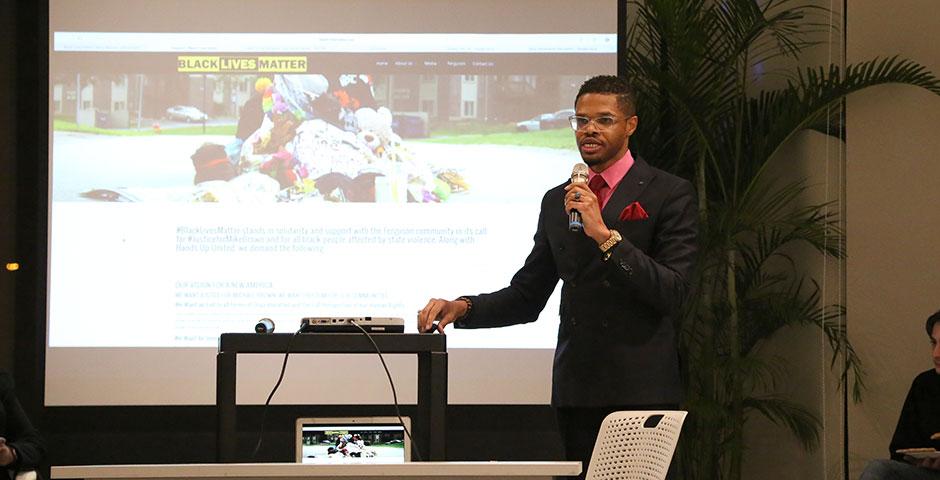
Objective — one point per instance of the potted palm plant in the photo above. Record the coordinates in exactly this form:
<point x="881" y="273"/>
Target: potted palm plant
<point x="709" y="116"/>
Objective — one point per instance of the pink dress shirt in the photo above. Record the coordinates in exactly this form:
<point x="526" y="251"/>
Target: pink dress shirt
<point x="612" y="176"/>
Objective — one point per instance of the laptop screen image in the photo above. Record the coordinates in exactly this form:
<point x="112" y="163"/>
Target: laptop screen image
<point x="352" y="440"/>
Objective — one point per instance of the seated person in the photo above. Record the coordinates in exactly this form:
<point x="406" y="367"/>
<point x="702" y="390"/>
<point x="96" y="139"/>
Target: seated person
<point x="918" y="426"/>
<point x="21" y="447"/>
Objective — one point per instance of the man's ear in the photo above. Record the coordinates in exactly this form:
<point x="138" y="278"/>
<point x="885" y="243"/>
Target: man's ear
<point x="631" y="124"/>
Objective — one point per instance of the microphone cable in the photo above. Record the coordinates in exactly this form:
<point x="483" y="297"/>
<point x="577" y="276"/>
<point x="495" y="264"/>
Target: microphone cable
<point x="264" y="411"/>
<point x="394" y="394"/>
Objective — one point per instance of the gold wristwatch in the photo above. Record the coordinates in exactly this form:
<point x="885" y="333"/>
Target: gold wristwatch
<point x="614" y="239"/>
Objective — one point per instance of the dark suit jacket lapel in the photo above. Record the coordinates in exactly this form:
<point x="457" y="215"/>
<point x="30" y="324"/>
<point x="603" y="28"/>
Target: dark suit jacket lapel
<point x="628" y="190"/>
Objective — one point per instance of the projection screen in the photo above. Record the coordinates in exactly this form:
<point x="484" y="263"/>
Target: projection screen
<point x="215" y="162"/>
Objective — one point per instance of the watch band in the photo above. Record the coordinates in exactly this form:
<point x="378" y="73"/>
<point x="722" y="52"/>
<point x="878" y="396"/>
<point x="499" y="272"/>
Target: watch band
<point x="614" y="239"/>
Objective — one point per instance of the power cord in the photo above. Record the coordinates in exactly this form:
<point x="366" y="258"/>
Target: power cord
<point x="391" y="383"/>
<point x="264" y="411"/>
<point x="280" y="378"/>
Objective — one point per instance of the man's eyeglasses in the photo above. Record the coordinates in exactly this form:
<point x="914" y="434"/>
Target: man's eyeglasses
<point x="601" y="123"/>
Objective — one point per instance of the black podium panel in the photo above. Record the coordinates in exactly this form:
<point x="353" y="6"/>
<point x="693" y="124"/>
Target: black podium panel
<point x="431" y="349"/>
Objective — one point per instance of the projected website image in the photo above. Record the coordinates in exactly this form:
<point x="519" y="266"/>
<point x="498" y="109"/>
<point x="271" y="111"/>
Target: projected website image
<point x="247" y="138"/>
<point x="335" y="444"/>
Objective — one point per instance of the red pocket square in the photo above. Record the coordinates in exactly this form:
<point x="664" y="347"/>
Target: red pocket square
<point x="634" y="211"/>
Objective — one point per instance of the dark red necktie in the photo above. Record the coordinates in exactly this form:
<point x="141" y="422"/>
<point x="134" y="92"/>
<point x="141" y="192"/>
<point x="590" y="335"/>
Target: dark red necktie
<point x="598" y="185"/>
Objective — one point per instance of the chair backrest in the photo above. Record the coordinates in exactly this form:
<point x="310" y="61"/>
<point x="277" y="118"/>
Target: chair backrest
<point x="635" y="445"/>
<point x="27" y="475"/>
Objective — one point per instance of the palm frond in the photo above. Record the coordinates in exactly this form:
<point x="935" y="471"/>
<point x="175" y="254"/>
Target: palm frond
<point x="779" y="115"/>
<point x="802" y="423"/>
<point x="832" y="322"/>
<point x="786" y="30"/>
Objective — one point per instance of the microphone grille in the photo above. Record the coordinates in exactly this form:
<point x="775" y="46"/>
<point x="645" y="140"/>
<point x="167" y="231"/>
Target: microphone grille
<point x="579" y="173"/>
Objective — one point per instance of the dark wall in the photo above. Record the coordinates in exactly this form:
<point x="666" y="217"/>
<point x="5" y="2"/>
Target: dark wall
<point x="124" y="435"/>
<point x="7" y="179"/>
<point x="28" y="93"/>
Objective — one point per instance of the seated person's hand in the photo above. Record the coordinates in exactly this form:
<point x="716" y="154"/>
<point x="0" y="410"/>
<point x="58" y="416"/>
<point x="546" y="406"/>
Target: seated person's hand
<point x="7" y="455"/>
<point x="931" y="463"/>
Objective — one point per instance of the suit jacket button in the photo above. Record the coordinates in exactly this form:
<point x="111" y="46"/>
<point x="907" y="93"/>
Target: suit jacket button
<point x="604" y="323"/>
<point x="573" y="321"/>
<point x="606" y="284"/>
<point x="626" y="268"/>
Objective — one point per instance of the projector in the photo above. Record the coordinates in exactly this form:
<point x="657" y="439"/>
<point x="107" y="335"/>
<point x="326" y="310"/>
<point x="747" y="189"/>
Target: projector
<point x="348" y="324"/>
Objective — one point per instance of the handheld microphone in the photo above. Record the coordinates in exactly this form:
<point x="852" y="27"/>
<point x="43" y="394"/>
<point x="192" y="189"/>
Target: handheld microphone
<point x="265" y="325"/>
<point x="579" y="174"/>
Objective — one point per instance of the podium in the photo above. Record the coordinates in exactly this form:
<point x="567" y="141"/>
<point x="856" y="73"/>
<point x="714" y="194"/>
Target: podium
<point x="431" y="349"/>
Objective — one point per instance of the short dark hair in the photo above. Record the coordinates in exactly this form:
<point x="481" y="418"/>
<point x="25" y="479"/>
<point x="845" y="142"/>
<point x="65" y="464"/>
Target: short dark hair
<point x="611" y="85"/>
<point x="931" y="321"/>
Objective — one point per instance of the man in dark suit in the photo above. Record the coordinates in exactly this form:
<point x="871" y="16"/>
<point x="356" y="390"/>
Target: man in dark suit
<point x="624" y="275"/>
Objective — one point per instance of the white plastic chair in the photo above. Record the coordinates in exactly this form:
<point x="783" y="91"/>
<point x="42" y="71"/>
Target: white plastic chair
<point x="27" y="475"/>
<point x="635" y="445"/>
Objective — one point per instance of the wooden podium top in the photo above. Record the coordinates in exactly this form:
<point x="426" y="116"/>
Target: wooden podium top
<point x="268" y="471"/>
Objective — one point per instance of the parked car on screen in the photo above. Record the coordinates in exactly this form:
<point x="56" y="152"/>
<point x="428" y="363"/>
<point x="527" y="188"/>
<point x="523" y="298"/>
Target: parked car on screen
<point x="558" y="119"/>
<point x="533" y="124"/>
<point x="408" y="125"/>
<point x="185" y="113"/>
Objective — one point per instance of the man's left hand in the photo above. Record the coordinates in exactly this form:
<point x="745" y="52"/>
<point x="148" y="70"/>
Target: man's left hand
<point x="579" y="197"/>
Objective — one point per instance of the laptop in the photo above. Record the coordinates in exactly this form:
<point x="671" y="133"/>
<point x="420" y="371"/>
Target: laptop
<point x="346" y="324"/>
<point x="352" y="440"/>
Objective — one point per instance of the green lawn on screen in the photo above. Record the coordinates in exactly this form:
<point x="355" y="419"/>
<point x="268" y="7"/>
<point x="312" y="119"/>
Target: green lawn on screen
<point x="562" y="138"/>
<point x="66" y="126"/>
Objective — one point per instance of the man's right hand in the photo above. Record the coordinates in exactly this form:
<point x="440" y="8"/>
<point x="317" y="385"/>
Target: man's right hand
<point x="444" y="312"/>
